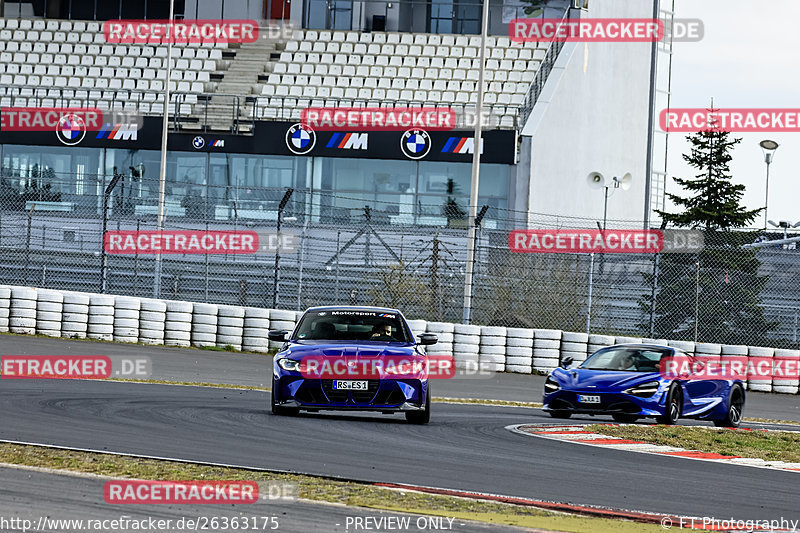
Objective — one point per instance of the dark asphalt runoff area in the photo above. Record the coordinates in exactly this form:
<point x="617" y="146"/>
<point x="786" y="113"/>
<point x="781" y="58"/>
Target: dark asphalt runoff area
<point x="58" y="503"/>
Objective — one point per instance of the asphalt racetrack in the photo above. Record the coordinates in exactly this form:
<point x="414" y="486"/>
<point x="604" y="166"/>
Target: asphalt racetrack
<point x="465" y="447"/>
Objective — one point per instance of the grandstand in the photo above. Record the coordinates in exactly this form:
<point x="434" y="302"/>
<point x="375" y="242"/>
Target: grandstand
<point x="544" y="99"/>
<point x="62" y="63"/>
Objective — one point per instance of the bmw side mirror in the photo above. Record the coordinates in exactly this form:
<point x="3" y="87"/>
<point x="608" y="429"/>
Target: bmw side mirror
<point x="277" y="335"/>
<point x="428" y="339"/>
<point x="567" y="361"/>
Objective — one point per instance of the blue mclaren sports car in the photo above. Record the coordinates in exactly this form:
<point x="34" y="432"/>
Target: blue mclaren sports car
<point x="352" y="359"/>
<point x="629" y="381"/>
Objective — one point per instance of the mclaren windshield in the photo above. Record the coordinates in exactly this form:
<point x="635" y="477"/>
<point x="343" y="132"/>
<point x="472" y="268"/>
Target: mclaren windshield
<point x="626" y="359"/>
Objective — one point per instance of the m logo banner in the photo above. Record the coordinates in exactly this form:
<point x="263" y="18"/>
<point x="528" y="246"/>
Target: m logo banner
<point x="348" y="141"/>
<point x="460" y="145"/>
<point x="118" y="132"/>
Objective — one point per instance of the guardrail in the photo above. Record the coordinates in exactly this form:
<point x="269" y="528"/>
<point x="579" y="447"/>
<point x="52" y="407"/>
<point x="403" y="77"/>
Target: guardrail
<point x="31" y="311"/>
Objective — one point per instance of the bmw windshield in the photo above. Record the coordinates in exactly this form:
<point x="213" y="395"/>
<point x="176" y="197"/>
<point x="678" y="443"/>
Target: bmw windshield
<point x="352" y="325"/>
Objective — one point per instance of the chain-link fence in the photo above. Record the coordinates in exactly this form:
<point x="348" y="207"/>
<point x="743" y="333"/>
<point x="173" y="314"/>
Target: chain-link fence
<point x="724" y="294"/>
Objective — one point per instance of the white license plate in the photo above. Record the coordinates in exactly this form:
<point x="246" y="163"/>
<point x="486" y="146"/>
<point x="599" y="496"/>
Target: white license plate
<point x="350" y="385"/>
<point x="583" y="398"/>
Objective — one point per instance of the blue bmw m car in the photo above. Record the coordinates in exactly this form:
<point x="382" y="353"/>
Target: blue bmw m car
<point x="630" y="381"/>
<point x="352" y="359"/>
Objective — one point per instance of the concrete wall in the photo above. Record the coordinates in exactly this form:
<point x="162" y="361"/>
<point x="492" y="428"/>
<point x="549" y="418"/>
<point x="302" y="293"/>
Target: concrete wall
<point x="593" y="116"/>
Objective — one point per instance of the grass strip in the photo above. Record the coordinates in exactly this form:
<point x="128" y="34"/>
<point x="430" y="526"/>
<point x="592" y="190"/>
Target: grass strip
<point x="318" y="489"/>
<point x="767" y="445"/>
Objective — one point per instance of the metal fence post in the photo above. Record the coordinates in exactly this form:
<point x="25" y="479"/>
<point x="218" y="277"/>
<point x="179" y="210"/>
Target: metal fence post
<point x="28" y="242"/>
<point x="697" y="298"/>
<point x="589" y="298"/>
<point x="653" y="296"/>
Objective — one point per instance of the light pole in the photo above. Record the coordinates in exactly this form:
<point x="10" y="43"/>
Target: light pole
<point x="162" y="176"/>
<point x="281" y="206"/>
<point x="768" y="147"/>
<point x="103" y="257"/>
<point x="466" y="316"/>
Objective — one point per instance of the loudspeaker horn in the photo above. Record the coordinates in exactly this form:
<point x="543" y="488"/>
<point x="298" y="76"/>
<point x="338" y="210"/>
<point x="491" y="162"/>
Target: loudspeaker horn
<point x="626" y="181"/>
<point x="596" y="180"/>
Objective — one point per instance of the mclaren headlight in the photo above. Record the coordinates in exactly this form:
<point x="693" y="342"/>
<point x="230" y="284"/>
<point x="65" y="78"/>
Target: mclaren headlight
<point x="289" y="364"/>
<point x="645" y="390"/>
<point x="551" y="385"/>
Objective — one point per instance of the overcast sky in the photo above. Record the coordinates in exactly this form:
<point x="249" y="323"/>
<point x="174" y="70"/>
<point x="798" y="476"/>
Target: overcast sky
<point x="748" y="58"/>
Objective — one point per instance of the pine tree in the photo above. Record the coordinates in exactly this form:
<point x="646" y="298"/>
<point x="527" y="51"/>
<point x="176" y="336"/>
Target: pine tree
<point x="721" y="282"/>
<point x="715" y="204"/>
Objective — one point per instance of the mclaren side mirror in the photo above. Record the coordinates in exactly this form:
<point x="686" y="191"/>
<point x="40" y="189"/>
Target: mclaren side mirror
<point x="277" y="335"/>
<point x="427" y="339"/>
<point x="567" y="361"/>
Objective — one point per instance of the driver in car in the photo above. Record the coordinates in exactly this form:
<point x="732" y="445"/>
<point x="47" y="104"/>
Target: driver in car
<point x="382" y="332"/>
<point x="627" y="361"/>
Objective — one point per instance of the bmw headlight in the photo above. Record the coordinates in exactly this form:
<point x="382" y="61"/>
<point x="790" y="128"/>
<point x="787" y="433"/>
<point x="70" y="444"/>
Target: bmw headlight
<point x="551" y="385"/>
<point x="289" y="364"/>
<point x="645" y="390"/>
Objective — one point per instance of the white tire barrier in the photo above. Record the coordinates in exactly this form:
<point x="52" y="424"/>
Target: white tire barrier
<point x="22" y="311"/>
<point x="598" y="342"/>
<point x="75" y="316"/>
<point x="492" y="341"/>
<point x="519" y="350"/>
<point x="467" y="348"/>
<point x="756" y="380"/>
<point x="440" y="327"/>
<point x="49" y="308"/>
<point x="445" y="338"/>
<point x="127" y="311"/>
<point x="546" y="349"/>
<point x="280" y="314"/>
<point x="573" y="336"/>
<point x="493" y="331"/>
<point x="685" y="346"/>
<point x="627" y="340"/>
<point x="492" y="348"/>
<point x="152" y="320"/>
<point x="517" y="342"/>
<point x="5" y="307"/>
<point x="785" y="380"/>
<point x="101" y="317"/>
<point x="417" y="327"/>
<point x="467" y="329"/>
<point x="230" y="326"/>
<point x="255" y="339"/>
<point x="204" y="325"/>
<point x="551" y="334"/>
<point x="546" y="344"/>
<point x="178" y="324"/>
